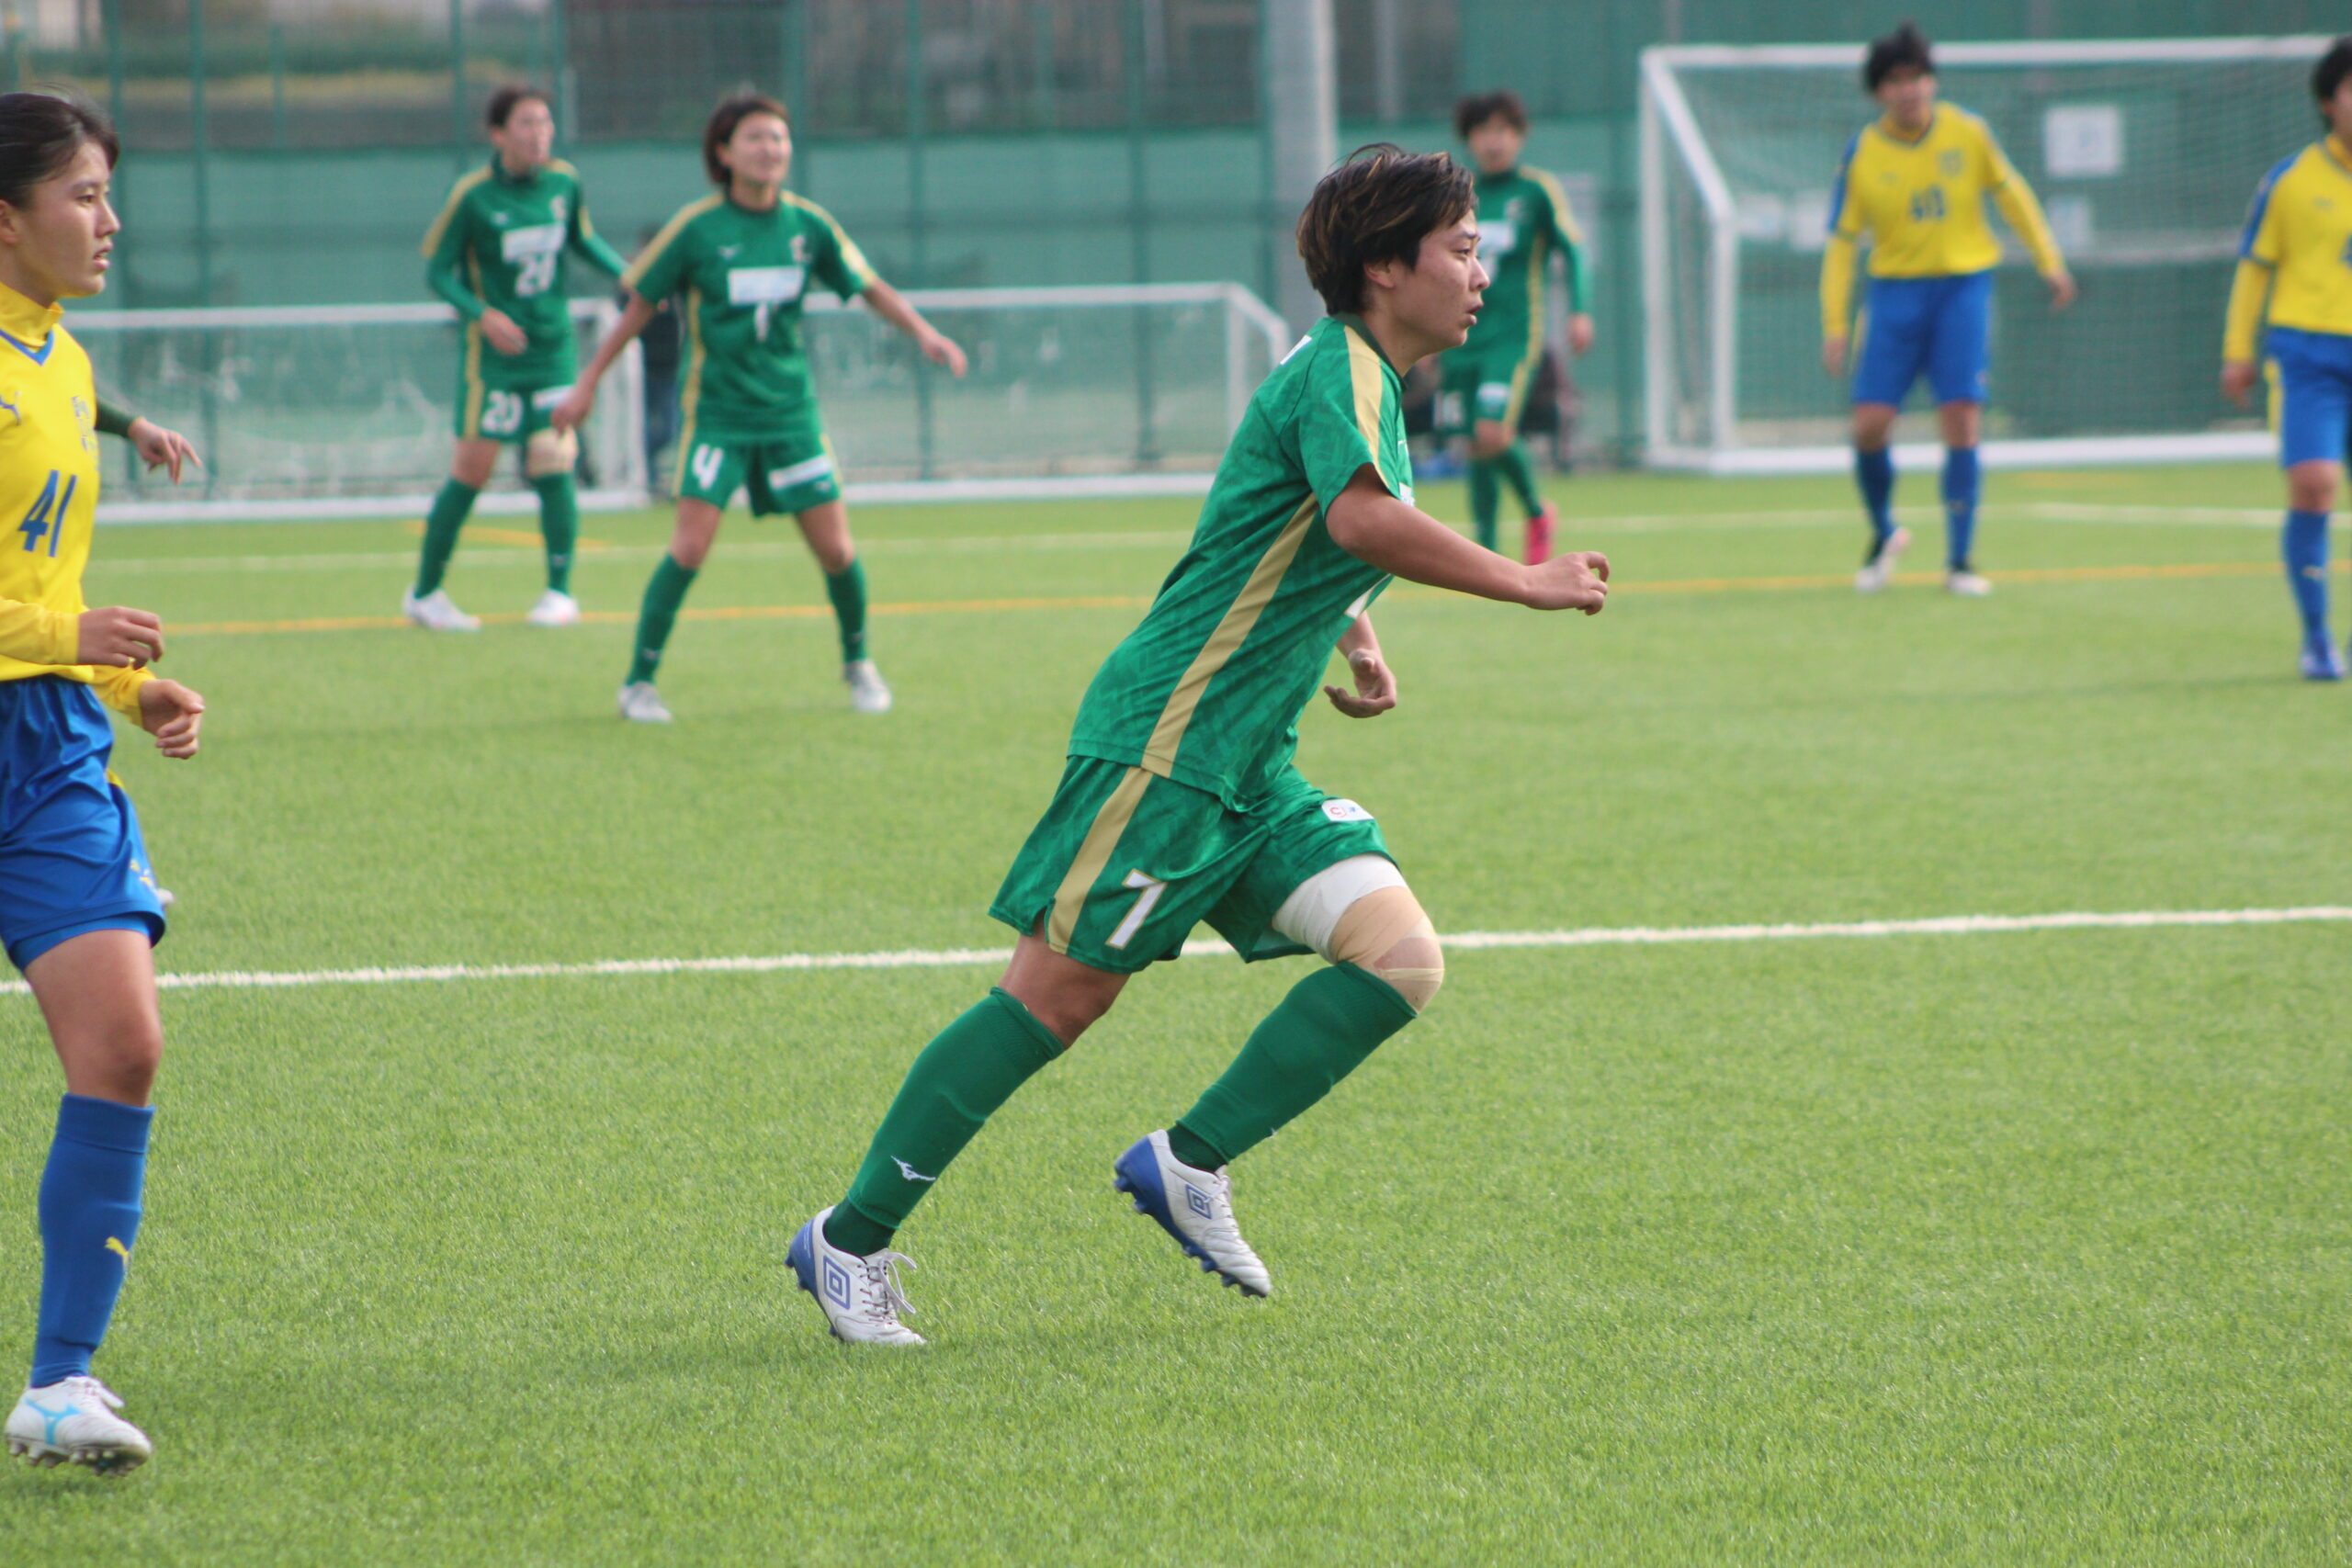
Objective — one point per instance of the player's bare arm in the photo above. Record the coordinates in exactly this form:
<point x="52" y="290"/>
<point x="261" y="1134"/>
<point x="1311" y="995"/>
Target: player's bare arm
<point x="1376" y="527"/>
<point x="1375" y="683"/>
<point x="172" y="715"/>
<point x="161" y="448"/>
<point x="937" y="346"/>
<point x="582" y="401"/>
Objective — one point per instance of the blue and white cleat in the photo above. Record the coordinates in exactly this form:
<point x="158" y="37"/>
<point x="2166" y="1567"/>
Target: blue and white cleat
<point x="72" y="1421"/>
<point x="2322" y="662"/>
<point x="860" y="1296"/>
<point x="1194" y="1206"/>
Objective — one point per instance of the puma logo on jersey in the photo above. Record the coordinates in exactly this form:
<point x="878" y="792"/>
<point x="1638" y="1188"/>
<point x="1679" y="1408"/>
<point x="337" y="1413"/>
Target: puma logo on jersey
<point x="910" y="1172"/>
<point x="9" y="403"/>
<point x="114" y="1243"/>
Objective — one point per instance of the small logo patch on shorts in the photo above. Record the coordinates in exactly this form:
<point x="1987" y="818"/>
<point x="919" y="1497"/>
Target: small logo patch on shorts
<point x="1345" y="811"/>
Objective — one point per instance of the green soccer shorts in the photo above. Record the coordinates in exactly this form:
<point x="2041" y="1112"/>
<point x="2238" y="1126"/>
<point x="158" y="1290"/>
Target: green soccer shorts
<point x="1124" y="863"/>
<point x="1480" y="387"/>
<point x="787" y="473"/>
<point x="511" y="408"/>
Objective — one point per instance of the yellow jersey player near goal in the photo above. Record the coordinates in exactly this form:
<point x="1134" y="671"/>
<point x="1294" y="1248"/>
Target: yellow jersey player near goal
<point x="1915" y="184"/>
<point x="1180" y="802"/>
<point x="79" y="909"/>
<point x="2297" y="253"/>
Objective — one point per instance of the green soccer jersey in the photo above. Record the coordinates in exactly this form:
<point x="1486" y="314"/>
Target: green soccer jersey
<point x="744" y="275"/>
<point x="1522" y="217"/>
<point x="1208" y="691"/>
<point x="500" y="243"/>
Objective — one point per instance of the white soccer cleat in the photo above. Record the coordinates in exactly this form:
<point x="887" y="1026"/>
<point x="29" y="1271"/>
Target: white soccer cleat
<point x="555" y="608"/>
<point x="436" y="612"/>
<point x="861" y="1297"/>
<point x="1878" y="570"/>
<point x="1194" y="1206"/>
<point x="640" y="703"/>
<point x="74" y="1422"/>
<point x="1967" y="585"/>
<point x="868" y="692"/>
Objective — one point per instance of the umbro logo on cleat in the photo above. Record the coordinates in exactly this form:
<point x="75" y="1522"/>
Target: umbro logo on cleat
<point x="1197" y="1200"/>
<point x="837" y="1284"/>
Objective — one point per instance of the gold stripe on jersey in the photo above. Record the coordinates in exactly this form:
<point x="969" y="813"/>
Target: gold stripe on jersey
<point x="661" y="241"/>
<point x="1370" y="389"/>
<point x="852" y="257"/>
<point x="1240" y="618"/>
<point x="1102" y="836"/>
<point x="1561" y="214"/>
<point x="457" y="194"/>
<point x="690" y="389"/>
<point x="475" y="387"/>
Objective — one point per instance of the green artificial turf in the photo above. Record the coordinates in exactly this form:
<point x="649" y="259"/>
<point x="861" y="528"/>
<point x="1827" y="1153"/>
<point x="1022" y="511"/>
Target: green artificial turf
<point x="2027" y="1248"/>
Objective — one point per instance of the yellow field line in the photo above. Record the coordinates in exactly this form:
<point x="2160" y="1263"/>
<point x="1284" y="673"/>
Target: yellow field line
<point x="2179" y="570"/>
<point x="478" y="533"/>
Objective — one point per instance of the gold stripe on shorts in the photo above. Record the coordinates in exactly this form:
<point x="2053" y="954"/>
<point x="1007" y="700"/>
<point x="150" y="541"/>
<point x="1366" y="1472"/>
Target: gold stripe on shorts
<point x="1093" y="854"/>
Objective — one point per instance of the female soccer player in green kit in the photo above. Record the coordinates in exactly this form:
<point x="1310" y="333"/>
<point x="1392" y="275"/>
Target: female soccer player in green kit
<point x="743" y="261"/>
<point x="1180" y="801"/>
<point x="496" y="252"/>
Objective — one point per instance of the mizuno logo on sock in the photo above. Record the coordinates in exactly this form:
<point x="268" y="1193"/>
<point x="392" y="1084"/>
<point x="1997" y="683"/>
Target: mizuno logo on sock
<point x="114" y="1243"/>
<point x="910" y="1172"/>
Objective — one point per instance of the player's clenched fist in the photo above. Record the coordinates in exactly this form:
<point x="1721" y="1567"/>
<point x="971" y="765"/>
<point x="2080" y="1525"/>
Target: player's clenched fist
<point x="172" y="715"/>
<point x="120" y="637"/>
<point x="1578" y="581"/>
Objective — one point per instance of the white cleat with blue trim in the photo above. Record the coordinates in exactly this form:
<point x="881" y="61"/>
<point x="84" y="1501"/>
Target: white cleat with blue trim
<point x="860" y="1296"/>
<point x="74" y="1422"/>
<point x="1194" y="1206"/>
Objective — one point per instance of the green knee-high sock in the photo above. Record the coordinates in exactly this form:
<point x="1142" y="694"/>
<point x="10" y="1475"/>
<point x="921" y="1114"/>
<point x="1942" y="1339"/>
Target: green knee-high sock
<point x="558" y="526"/>
<point x="1322" y="1031"/>
<point x="1519" y="471"/>
<point x="664" y="594"/>
<point x="1486" y="501"/>
<point x="846" y="589"/>
<point x="441" y="526"/>
<point x="969" y="1068"/>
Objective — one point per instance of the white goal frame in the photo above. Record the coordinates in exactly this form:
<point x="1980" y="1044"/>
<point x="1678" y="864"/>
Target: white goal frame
<point x="620" y="457"/>
<point x="1670" y="137"/>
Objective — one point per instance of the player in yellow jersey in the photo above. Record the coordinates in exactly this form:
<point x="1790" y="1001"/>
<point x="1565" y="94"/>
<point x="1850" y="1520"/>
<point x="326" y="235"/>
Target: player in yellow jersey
<point x="1914" y="183"/>
<point x="78" y="907"/>
<point x="2298" y="252"/>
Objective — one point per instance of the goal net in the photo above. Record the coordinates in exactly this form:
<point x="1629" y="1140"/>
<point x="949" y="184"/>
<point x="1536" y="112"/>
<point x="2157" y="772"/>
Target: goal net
<point x="2146" y="155"/>
<point x="348" y="410"/>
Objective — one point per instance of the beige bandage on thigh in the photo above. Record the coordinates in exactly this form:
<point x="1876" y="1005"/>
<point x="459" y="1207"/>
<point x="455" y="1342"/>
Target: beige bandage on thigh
<point x="548" y="452"/>
<point x="1361" y="912"/>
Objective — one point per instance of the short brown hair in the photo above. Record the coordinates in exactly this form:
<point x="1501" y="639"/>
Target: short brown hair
<point x="1378" y="206"/>
<point x="732" y="111"/>
<point x="1479" y="108"/>
<point x="510" y="96"/>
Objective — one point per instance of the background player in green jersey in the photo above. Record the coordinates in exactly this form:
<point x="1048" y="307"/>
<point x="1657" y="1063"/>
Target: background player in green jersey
<point x="1524" y="222"/>
<point x="1179" y="802"/>
<point x="741" y="262"/>
<point x="497" y="254"/>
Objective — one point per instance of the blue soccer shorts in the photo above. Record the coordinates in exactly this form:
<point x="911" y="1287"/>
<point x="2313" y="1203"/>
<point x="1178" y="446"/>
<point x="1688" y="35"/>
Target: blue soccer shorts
<point x="2310" y="394"/>
<point x="1941" y="327"/>
<point x="71" y="858"/>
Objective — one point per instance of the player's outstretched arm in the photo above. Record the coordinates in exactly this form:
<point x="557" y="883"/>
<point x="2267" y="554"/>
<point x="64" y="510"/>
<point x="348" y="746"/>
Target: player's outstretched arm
<point x="634" y="317"/>
<point x="892" y="306"/>
<point x="1375" y="683"/>
<point x="1376" y="528"/>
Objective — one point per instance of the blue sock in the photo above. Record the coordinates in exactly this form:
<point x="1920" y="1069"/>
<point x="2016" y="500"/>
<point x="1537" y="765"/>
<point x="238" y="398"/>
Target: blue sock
<point x="1875" y="471"/>
<point x="89" y="1218"/>
<point x="1961" y="482"/>
<point x="2305" y="545"/>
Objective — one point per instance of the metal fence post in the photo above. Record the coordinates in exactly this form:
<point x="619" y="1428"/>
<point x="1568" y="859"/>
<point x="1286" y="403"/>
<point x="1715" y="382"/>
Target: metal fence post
<point x="457" y="79"/>
<point x="1139" y="231"/>
<point x="200" y="188"/>
<point x="918" y="238"/>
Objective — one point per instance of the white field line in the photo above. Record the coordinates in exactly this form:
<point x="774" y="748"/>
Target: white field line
<point x="959" y="957"/>
<point x="1162" y="538"/>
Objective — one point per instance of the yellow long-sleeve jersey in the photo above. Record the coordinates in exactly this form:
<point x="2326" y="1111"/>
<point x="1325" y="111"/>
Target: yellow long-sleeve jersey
<point x="2298" y="248"/>
<point x="49" y="499"/>
<point x="1921" y="205"/>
